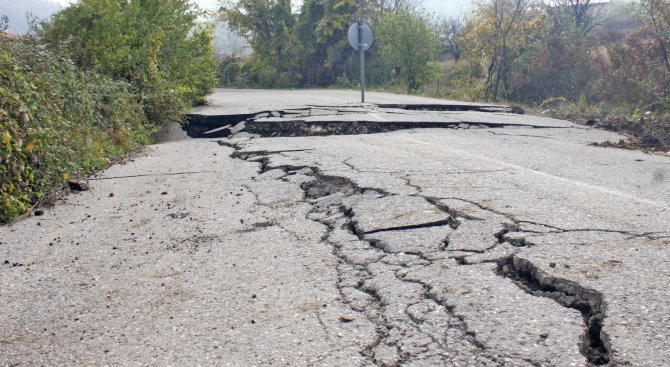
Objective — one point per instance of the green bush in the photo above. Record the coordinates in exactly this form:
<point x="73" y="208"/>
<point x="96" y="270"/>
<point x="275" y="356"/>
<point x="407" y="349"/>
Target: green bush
<point x="104" y="76"/>
<point x="58" y="122"/>
<point x="228" y="71"/>
<point x="156" y="45"/>
<point x="409" y="43"/>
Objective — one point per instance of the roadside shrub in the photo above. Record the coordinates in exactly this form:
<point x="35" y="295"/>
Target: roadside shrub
<point x="56" y="122"/>
<point x="228" y="71"/>
<point x="155" y="45"/>
<point x="409" y="43"/>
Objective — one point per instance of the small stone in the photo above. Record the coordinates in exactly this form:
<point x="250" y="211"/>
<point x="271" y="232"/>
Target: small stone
<point x="78" y="185"/>
<point x="111" y="194"/>
<point x="552" y="264"/>
<point x="347" y="318"/>
<point x="544" y="335"/>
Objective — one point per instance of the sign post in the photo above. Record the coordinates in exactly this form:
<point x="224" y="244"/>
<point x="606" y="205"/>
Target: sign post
<point x="360" y="38"/>
<point x="362" y="57"/>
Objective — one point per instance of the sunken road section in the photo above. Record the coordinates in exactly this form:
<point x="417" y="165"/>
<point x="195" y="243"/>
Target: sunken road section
<point x="340" y="120"/>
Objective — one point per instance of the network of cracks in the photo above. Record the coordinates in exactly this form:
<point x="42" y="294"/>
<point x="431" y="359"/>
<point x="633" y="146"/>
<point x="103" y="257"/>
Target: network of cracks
<point x="382" y="269"/>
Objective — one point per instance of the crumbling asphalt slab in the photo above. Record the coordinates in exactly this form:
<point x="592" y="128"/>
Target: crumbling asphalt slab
<point x="368" y="119"/>
<point x="503" y="241"/>
<point x="246" y="101"/>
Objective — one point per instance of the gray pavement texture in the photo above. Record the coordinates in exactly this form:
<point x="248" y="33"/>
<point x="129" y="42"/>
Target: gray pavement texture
<point x="251" y="101"/>
<point x="510" y="243"/>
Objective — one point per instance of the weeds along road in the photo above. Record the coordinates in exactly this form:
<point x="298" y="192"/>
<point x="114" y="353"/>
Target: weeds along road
<point x="434" y="234"/>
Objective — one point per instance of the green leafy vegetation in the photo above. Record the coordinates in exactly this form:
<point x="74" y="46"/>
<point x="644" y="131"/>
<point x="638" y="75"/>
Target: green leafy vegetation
<point x="155" y="45"/>
<point x="408" y="44"/>
<point x="58" y="121"/>
<point x="603" y="63"/>
<point x="310" y="48"/>
<point x="96" y="82"/>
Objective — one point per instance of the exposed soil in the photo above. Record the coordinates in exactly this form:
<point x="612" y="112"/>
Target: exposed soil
<point x="651" y="133"/>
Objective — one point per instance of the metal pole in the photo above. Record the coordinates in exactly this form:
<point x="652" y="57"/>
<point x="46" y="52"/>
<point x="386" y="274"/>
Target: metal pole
<point x="362" y="54"/>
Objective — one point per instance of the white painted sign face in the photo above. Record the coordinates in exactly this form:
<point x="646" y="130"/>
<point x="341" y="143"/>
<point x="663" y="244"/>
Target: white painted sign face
<point x="366" y="36"/>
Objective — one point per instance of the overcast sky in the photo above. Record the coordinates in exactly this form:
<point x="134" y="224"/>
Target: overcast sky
<point x="448" y="7"/>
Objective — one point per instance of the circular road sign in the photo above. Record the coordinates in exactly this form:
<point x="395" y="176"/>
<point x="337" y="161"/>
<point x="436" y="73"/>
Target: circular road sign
<point x="366" y="36"/>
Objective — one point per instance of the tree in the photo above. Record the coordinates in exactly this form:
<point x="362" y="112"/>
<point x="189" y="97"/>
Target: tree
<point x="263" y="23"/>
<point x="656" y="13"/>
<point x="268" y="26"/>
<point x="497" y="34"/>
<point x="586" y="15"/>
<point x="156" y="45"/>
<point x="331" y="36"/>
<point x="409" y="43"/>
<point x="314" y="43"/>
<point x="450" y="29"/>
<point x="395" y="5"/>
<point x="4" y="23"/>
<point x="582" y="15"/>
<point x="308" y="48"/>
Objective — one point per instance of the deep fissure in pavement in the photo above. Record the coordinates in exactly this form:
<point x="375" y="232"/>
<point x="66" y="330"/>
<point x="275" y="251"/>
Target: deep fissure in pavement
<point x="568" y="294"/>
<point x="336" y="216"/>
<point x="294" y="122"/>
<point x="450" y="221"/>
<point x="326" y="194"/>
<point x="324" y="186"/>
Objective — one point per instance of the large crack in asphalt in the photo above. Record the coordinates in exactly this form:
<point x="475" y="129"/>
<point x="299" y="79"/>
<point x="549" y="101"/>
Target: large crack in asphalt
<point x="568" y="294"/>
<point x="364" y="263"/>
<point x="389" y="348"/>
<point x="296" y="122"/>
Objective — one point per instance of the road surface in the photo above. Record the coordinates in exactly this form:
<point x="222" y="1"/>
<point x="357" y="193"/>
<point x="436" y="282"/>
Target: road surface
<point x="449" y="236"/>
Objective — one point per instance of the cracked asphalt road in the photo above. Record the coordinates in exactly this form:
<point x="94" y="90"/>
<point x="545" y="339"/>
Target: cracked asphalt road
<point x="491" y="240"/>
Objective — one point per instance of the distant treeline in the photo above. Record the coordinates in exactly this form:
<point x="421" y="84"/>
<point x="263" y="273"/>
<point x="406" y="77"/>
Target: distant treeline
<point x="571" y="57"/>
<point x="92" y="84"/>
<point x="310" y="48"/>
